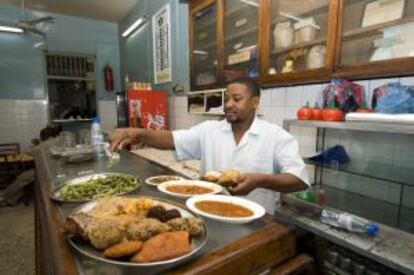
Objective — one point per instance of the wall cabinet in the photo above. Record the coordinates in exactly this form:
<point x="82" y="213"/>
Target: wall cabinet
<point x="284" y="42"/>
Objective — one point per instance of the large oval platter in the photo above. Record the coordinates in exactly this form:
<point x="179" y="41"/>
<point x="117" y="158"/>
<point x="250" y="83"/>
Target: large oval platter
<point x="88" y="250"/>
<point x="57" y="193"/>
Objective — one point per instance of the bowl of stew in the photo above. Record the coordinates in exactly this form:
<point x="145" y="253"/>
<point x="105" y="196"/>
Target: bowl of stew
<point x="226" y="208"/>
<point x="189" y="188"/>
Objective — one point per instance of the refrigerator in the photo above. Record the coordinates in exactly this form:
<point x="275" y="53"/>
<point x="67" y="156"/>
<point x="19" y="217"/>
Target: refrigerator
<point x="148" y="109"/>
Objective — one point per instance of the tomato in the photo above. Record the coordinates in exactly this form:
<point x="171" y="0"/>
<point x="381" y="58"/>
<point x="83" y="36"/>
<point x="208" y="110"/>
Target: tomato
<point x="304" y="113"/>
<point x="332" y="114"/>
<point x="316" y="112"/>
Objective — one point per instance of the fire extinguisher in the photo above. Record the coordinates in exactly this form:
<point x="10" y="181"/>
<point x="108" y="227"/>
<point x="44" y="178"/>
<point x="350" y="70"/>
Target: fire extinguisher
<point x="109" y="79"/>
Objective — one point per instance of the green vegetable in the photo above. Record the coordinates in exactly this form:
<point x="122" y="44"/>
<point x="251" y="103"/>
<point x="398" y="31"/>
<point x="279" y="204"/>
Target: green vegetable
<point x="99" y="187"/>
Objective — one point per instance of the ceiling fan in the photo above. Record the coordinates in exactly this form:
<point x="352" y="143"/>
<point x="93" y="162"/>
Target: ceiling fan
<point x="29" y="24"/>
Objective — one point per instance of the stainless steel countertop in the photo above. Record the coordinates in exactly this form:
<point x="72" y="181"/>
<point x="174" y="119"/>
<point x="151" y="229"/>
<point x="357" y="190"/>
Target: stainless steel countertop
<point x="391" y="247"/>
<point x="219" y="233"/>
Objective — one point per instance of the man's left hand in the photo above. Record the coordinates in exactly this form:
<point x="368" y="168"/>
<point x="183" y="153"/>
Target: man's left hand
<point x="247" y="183"/>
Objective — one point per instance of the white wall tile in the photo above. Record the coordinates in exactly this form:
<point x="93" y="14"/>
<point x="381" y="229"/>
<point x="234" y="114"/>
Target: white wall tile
<point x="278" y="114"/>
<point x="181" y="101"/>
<point x="265" y="97"/>
<point x="294" y="96"/>
<point x="408" y="80"/>
<point x="278" y="96"/>
<point x="107" y="112"/>
<point x="290" y="112"/>
<point x="22" y="120"/>
<point x="375" y="83"/>
<point x="312" y="94"/>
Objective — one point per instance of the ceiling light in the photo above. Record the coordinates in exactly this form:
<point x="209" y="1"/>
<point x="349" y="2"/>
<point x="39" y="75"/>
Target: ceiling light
<point x="140" y="21"/>
<point x="10" y="29"/>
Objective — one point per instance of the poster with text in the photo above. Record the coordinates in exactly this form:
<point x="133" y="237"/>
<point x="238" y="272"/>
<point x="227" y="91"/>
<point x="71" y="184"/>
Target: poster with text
<point x="161" y="39"/>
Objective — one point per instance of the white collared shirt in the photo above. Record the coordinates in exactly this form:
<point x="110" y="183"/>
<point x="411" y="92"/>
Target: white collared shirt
<point x="264" y="148"/>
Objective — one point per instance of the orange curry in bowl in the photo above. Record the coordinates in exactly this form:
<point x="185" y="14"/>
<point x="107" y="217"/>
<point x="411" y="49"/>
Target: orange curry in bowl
<point x="225" y="209"/>
<point x="189" y="189"/>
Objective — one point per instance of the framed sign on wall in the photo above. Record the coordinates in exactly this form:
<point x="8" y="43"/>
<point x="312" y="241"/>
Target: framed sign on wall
<point x="161" y="41"/>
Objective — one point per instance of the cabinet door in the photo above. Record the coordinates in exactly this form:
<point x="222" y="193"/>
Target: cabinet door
<point x="298" y="40"/>
<point x="377" y="38"/>
<point x="240" y="39"/>
<point x="203" y="45"/>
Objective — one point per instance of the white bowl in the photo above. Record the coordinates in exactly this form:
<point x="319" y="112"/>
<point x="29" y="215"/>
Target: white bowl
<point x="150" y="180"/>
<point x="258" y="210"/>
<point x="163" y="187"/>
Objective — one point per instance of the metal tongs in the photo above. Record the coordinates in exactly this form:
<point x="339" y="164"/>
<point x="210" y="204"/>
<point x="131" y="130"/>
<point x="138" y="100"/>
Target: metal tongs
<point x="113" y="157"/>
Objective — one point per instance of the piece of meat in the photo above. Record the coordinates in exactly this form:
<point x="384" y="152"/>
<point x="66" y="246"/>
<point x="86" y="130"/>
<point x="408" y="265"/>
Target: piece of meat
<point x="122" y="249"/>
<point x="77" y="224"/>
<point x="105" y="232"/>
<point x="145" y="229"/>
<point x="192" y="225"/>
<point x="163" y="247"/>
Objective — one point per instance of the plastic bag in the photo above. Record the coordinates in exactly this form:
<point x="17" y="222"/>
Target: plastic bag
<point x="343" y="94"/>
<point x="393" y="98"/>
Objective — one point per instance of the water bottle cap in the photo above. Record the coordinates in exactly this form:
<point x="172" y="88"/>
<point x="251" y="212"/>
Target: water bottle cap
<point x="96" y="120"/>
<point x="372" y="229"/>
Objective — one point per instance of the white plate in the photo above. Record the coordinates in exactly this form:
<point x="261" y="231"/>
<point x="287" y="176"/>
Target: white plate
<point x="163" y="187"/>
<point x="258" y="210"/>
<point x="149" y="181"/>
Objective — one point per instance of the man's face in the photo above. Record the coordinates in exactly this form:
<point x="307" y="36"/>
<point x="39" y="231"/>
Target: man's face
<point x="239" y="104"/>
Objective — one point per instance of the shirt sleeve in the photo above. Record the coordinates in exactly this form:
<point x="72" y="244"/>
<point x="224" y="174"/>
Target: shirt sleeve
<point x="188" y="143"/>
<point x="288" y="158"/>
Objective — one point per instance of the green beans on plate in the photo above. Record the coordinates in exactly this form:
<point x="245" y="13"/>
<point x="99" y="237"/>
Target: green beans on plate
<point x="99" y="186"/>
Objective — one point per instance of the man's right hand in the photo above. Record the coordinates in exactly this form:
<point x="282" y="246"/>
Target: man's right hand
<point x="124" y="137"/>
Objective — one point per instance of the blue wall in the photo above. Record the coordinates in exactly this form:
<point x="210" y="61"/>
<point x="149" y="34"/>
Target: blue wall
<point x="22" y="69"/>
<point x="136" y="50"/>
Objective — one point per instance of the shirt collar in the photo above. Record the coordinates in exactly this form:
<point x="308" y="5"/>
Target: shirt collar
<point x="254" y="128"/>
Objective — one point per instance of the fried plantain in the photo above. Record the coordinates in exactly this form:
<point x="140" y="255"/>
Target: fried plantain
<point x="122" y="249"/>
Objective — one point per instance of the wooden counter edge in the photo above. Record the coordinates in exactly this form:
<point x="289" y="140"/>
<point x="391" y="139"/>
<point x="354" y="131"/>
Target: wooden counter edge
<point x="53" y="255"/>
<point x="252" y="254"/>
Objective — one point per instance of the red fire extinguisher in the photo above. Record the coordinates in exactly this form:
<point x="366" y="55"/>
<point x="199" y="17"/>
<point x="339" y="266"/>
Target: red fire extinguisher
<point x="109" y="79"/>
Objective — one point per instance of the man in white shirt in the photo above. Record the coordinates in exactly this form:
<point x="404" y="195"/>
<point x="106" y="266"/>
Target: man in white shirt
<point x="265" y="154"/>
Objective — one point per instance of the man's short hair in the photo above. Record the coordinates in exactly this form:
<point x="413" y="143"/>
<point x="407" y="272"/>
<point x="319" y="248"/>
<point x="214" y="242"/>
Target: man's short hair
<point x="252" y="86"/>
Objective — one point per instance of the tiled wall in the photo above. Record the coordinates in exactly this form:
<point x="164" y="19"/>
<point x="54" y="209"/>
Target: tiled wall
<point x="107" y="111"/>
<point x="21" y="121"/>
<point x="282" y="103"/>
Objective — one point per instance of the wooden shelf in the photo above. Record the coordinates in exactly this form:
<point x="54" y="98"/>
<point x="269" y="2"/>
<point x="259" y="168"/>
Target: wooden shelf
<point x="299" y="45"/>
<point x="374" y="29"/>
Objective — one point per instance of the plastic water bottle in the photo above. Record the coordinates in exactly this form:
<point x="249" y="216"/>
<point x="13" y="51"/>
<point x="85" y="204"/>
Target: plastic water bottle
<point x="349" y="222"/>
<point x="97" y="139"/>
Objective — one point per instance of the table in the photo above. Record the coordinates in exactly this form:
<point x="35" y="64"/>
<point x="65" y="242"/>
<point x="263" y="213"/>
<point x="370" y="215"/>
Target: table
<point x="230" y="249"/>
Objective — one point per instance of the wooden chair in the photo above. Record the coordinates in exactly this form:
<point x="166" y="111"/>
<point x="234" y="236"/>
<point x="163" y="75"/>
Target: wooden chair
<point x="8" y="169"/>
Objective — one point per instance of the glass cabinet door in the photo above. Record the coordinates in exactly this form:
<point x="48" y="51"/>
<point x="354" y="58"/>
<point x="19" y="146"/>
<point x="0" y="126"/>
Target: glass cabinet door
<point x="376" y="30"/>
<point x="298" y="35"/>
<point x="240" y="39"/>
<point x="204" y="46"/>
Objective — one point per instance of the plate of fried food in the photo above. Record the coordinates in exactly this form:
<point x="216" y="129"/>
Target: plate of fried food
<point x="189" y="188"/>
<point x="224" y="208"/>
<point x="157" y="180"/>
<point x="135" y="231"/>
<point x="94" y="186"/>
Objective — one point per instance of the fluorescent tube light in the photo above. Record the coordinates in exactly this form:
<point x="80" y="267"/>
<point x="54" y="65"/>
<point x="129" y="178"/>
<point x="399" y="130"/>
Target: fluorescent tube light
<point x="134" y="26"/>
<point x="10" y="29"/>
